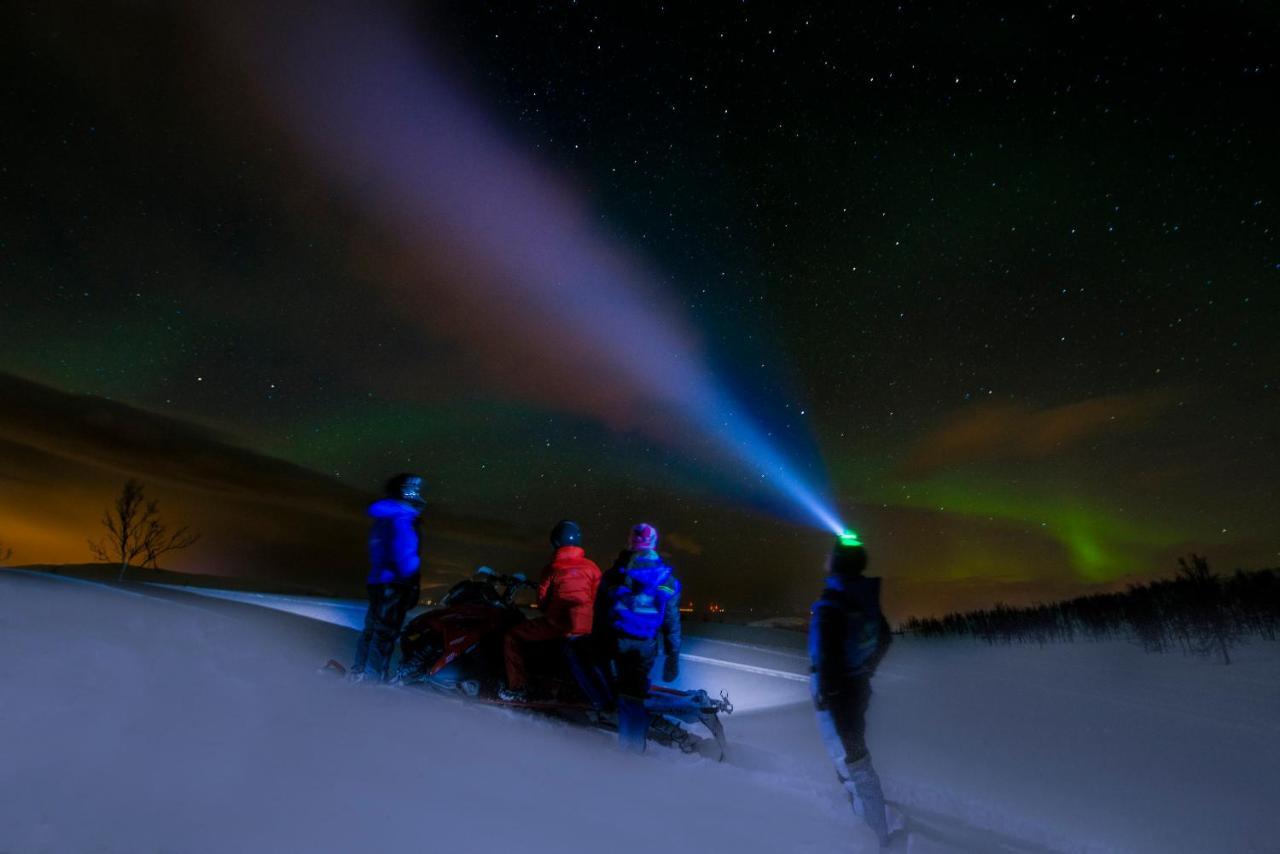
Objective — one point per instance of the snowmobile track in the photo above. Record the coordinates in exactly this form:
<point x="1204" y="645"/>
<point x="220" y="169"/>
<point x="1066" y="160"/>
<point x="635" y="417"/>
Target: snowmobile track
<point x="935" y="833"/>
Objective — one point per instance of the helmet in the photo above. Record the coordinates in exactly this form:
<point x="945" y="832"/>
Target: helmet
<point x="566" y="533"/>
<point x="408" y="488"/>
<point x="848" y="556"/>
<point x="644" y="537"/>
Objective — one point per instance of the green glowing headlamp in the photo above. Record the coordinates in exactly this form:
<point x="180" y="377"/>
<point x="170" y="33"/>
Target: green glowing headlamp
<point x="849" y="539"/>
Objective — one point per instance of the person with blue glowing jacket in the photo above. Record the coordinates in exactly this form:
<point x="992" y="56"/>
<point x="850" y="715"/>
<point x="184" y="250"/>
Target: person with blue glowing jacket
<point x="848" y="637"/>
<point x="393" y="581"/>
<point x="639" y="599"/>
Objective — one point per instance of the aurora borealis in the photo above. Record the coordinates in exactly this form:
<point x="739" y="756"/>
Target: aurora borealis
<point x="1013" y="295"/>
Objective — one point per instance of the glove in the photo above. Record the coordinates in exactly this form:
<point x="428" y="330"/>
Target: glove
<point x="671" y="668"/>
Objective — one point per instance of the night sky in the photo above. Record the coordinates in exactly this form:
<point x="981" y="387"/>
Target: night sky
<point x="1002" y="281"/>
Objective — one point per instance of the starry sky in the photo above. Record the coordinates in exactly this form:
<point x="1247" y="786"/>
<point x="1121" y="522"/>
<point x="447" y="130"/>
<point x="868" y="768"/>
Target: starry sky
<point x="1000" y="281"/>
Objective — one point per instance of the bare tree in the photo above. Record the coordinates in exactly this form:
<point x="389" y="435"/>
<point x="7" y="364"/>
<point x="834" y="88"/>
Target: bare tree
<point x="125" y="525"/>
<point x="1211" y="623"/>
<point x="134" y="530"/>
<point x="159" y="540"/>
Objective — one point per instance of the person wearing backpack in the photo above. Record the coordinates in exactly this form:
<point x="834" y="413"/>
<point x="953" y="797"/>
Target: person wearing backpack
<point x="393" y="580"/>
<point x="848" y="637"/>
<point x="639" y="599"/>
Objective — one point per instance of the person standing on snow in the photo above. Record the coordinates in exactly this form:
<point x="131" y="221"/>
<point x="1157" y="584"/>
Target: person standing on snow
<point x="639" y="597"/>
<point x="848" y="636"/>
<point x="393" y="574"/>
<point x="566" y="596"/>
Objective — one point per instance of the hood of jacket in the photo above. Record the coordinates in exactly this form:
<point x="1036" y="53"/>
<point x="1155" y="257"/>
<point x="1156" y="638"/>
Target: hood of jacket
<point x="646" y="569"/>
<point x="860" y="591"/>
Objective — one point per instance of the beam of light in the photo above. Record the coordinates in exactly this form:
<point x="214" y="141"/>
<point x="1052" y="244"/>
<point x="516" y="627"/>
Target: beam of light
<point x="747" y="668"/>
<point x="751" y="445"/>
<point x="522" y="275"/>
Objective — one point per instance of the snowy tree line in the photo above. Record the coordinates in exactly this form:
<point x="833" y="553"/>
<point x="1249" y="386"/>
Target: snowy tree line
<point x="1196" y="612"/>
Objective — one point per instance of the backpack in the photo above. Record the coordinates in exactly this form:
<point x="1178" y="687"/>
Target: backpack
<point x="640" y="601"/>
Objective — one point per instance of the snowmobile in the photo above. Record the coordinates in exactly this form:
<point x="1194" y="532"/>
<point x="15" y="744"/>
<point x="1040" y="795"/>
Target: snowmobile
<point x="457" y="648"/>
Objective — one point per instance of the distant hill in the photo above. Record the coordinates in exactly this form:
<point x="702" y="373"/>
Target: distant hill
<point x="63" y="458"/>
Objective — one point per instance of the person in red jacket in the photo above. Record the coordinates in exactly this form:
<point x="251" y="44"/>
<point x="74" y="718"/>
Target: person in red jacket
<point x="566" y="597"/>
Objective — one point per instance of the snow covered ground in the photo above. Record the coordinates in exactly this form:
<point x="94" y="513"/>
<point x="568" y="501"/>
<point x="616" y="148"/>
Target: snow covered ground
<point x="151" y="719"/>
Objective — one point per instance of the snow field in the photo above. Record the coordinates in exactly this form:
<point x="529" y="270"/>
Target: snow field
<point x="154" y="720"/>
<point x="131" y="724"/>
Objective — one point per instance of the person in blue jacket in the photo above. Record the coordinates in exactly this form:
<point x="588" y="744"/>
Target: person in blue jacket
<point x="638" y="599"/>
<point x="848" y="636"/>
<point x="393" y="581"/>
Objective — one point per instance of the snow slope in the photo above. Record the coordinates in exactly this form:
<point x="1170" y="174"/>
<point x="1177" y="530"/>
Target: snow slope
<point x="133" y="722"/>
<point x="150" y="719"/>
<point x="1076" y="747"/>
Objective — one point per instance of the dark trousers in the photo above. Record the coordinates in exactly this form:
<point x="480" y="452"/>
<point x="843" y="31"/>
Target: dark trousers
<point x="580" y="653"/>
<point x="847" y="712"/>
<point x="842" y="723"/>
<point x="513" y="652"/>
<point x="633" y="660"/>
<point x="388" y="605"/>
